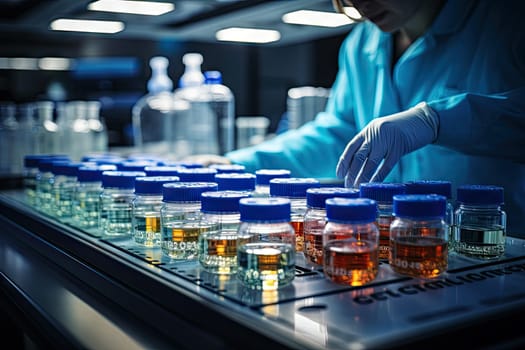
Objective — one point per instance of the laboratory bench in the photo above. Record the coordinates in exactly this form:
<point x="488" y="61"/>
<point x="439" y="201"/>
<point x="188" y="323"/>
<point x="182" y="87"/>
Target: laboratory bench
<point x="63" y="287"/>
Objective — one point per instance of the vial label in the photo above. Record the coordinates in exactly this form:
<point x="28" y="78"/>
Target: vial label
<point x="351" y="262"/>
<point x="313" y="241"/>
<point x="218" y="251"/>
<point x="180" y="240"/>
<point x="417" y="256"/>
<point x="146" y="229"/>
<point x="298" y="227"/>
<point x="266" y="266"/>
<point x="480" y="243"/>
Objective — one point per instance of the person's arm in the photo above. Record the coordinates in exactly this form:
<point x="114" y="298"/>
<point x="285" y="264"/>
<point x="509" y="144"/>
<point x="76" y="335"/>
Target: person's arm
<point x="485" y="125"/>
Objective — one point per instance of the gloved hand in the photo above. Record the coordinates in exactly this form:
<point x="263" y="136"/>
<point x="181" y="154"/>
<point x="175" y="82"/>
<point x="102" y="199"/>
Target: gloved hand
<point x="374" y="151"/>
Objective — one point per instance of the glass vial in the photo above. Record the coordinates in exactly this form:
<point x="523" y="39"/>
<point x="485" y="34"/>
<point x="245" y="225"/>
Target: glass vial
<point x="44" y="183"/>
<point x="266" y="243"/>
<point x="382" y="193"/>
<point x="115" y="202"/>
<point x="351" y="241"/>
<point x="180" y="218"/>
<point x="294" y="188"/>
<point x="86" y="195"/>
<point x="145" y="208"/>
<point x="263" y="177"/>
<point x="218" y="242"/>
<point x="419" y="235"/>
<point x="480" y="229"/>
<point x="65" y="181"/>
<point x="315" y="218"/>
<point x="443" y="188"/>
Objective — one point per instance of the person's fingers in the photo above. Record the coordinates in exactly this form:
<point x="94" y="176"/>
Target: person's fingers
<point x="347" y="155"/>
<point x="371" y="165"/>
<point x="358" y="160"/>
<point x="385" y="169"/>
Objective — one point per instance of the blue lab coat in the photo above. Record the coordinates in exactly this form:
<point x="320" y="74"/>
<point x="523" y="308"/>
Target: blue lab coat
<point x="469" y="67"/>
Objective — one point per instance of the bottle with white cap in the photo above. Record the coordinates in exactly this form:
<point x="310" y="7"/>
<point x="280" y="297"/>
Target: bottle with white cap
<point x="153" y="113"/>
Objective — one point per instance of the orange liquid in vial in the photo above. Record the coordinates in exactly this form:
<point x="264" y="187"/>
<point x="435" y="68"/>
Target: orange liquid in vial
<point x="313" y="245"/>
<point x="298" y="227"/>
<point x="350" y="262"/>
<point x="424" y="257"/>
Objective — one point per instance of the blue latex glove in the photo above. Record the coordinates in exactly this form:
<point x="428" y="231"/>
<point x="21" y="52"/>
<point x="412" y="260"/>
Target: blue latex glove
<point x="375" y="150"/>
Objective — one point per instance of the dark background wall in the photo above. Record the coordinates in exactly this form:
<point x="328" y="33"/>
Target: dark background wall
<point x="259" y="76"/>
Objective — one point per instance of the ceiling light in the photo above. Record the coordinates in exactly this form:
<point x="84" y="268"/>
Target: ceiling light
<point x="23" y="63"/>
<point x="54" y="63"/>
<point x="248" y="35"/>
<point x="90" y="26"/>
<point x="316" y="18"/>
<point x="149" y="8"/>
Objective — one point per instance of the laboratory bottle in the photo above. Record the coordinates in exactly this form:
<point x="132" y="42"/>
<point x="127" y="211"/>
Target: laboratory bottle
<point x="221" y="220"/>
<point x="351" y="241"/>
<point x="382" y="193"/>
<point x="134" y="165"/>
<point x="44" y="183"/>
<point x="263" y="177"/>
<point x="222" y="104"/>
<point x="97" y="127"/>
<point x="8" y="132"/>
<point x="118" y="189"/>
<point x="193" y="110"/>
<point x="86" y="195"/>
<point x="294" y="188"/>
<point x="315" y="218"/>
<point x="146" y="209"/>
<point x="419" y="235"/>
<point x="153" y="118"/>
<point x="180" y="218"/>
<point x="443" y="188"/>
<point x="236" y="182"/>
<point x="265" y="244"/>
<point x="47" y="133"/>
<point x="75" y="136"/>
<point x="480" y="221"/>
<point x="65" y="180"/>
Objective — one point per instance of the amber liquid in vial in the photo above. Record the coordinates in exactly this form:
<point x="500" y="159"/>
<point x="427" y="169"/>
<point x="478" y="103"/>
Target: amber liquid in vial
<point x="180" y="241"/>
<point x="266" y="266"/>
<point x="425" y="257"/>
<point x="147" y="229"/>
<point x="351" y="262"/>
<point x="313" y="242"/>
<point x="218" y="252"/>
<point x="383" y="223"/>
<point x="298" y="227"/>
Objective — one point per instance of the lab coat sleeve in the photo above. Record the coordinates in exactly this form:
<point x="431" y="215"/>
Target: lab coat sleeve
<point x="312" y="150"/>
<point x="490" y="125"/>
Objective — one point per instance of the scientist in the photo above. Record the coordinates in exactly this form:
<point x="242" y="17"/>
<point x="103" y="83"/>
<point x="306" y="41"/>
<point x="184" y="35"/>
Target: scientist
<point x="426" y="90"/>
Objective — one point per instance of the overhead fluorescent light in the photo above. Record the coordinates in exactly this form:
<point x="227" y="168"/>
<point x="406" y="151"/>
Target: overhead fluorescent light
<point x="89" y="26"/>
<point x="54" y="63"/>
<point x="316" y="18"/>
<point x="248" y="35"/>
<point x="149" y="8"/>
<point x="23" y="63"/>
